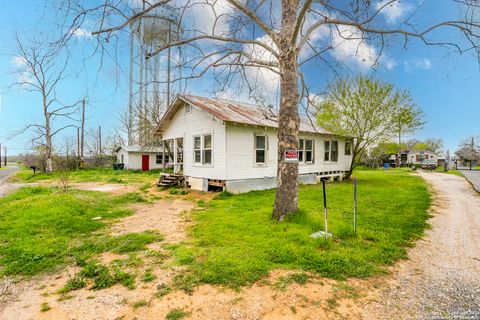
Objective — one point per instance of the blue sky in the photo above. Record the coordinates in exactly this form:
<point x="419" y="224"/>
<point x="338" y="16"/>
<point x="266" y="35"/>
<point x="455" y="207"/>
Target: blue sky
<point x="445" y="86"/>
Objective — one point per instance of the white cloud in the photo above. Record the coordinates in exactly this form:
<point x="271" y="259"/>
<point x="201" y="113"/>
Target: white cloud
<point x="424" y="64"/>
<point x="349" y="47"/>
<point x="394" y="11"/>
<point x="18" y="61"/>
<point x="81" y="33"/>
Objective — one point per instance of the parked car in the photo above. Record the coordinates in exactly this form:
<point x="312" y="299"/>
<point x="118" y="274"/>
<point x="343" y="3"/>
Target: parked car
<point x="429" y="164"/>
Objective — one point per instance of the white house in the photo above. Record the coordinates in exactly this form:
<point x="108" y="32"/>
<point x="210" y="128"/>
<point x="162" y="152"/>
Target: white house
<point x="140" y="158"/>
<point x="417" y="157"/>
<point x="234" y="145"/>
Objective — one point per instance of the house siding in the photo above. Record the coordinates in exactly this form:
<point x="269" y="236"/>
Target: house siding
<point x="197" y="122"/>
<point x="240" y="163"/>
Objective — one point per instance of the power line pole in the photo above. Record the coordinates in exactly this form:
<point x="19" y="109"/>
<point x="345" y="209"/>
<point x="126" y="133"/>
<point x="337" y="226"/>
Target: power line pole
<point x="5" y="156"/>
<point x="83" y="129"/>
<point x="78" y="142"/>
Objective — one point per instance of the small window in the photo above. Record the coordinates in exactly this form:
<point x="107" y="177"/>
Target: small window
<point x="197" y="152"/>
<point x="188" y="108"/>
<point x="334" y="151"/>
<point x="260" y="149"/>
<point x="158" y="159"/>
<point x="348" y="148"/>
<point x="327" y="151"/>
<point x="207" y="149"/>
<point x="122" y="159"/>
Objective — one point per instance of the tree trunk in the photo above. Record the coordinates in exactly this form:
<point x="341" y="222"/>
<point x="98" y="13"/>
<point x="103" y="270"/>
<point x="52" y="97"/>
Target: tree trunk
<point x="286" y="198"/>
<point x="48" y="146"/>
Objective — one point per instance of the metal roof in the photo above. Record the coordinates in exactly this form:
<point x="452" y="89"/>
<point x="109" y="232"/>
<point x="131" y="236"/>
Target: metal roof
<point x="137" y="148"/>
<point x="237" y="112"/>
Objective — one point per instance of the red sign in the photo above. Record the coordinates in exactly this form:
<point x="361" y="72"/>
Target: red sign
<point x="291" y="156"/>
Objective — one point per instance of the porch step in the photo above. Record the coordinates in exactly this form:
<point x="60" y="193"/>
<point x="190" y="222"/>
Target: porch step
<point x="172" y="180"/>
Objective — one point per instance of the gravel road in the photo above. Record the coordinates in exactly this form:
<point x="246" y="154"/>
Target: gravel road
<point x="441" y="279"/>
<point x="5" y="187"/>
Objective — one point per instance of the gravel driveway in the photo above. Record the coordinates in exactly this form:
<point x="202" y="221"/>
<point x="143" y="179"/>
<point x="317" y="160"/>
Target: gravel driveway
<point x="441" y="279"/>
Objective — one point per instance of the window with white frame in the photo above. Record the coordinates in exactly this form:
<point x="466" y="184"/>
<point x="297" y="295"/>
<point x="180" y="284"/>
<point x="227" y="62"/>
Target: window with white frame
<point x="188" y="108"/>
<point x="331" y="151"/>
<point x="327" y="151"/>
<point x="202" y="149"/>
<point x="207" y="149"/>
<point x="305" y="151"/>
<point x="158" y="159"/>
<point x="260" y="149"/>
<point x="122" y="159"/>
<point x="348" y="148"/>
<point x="197" y="149"/>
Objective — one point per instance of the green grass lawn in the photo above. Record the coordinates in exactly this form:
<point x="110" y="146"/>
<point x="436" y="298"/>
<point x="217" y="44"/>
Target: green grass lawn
<point x="42" y="228"/>
<point x="441" y="169"/>
<point x="107" y="175"/>
<point x="235" y="242"/>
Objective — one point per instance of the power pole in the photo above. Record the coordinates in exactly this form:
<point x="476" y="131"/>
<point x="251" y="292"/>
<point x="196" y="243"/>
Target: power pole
<point x="99" y="140"/>
<point x="78" y="142"/>
<point x="5" y="156"/>
<point x="83" y="129"/>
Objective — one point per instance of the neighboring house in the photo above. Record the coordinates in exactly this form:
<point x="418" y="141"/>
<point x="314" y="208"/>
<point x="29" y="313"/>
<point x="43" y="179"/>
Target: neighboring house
<point x="140" y="158"/>
<point x="417" y="157"/>
<point x="221" y="143"/>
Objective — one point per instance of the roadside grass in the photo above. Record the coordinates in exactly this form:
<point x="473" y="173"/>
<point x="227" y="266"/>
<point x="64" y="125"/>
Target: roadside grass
<point x="441" y="169"/>
<point x="235" y="242"/>
<point x="107" y="175"/>
<point x="42" y="228"/>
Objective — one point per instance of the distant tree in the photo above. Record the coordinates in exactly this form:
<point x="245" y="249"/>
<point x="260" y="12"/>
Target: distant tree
<point x="469" y="149"/>
<point x="41" y="69"/>
<point x="432" y="145"/>
<point x="369" y="110"/>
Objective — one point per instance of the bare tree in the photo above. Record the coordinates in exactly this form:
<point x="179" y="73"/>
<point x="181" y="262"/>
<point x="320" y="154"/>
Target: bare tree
<point x="281" y="37"/>
<point x="41" y="69"/>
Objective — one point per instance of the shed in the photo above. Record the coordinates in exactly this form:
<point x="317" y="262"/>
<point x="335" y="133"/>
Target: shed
<point x="136" y="157"/>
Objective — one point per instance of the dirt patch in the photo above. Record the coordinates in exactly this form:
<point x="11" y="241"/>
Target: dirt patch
<point x="165" y="216"/>
<point x="319" y="298"/>
<point x="116" y="189"/>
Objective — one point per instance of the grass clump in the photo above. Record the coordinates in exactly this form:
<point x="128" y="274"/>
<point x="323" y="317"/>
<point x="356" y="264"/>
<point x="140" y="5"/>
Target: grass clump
<point x="139" y="304"/>
<point x="235" y="241"/>
<point x="75" y="283"/>
<point x="441" y="169"/>
<point x="176" y="314"/>
<point x="44" y="307"/>
<point x="283" y="282"/>
<point x="163" y="291"/>
<point x="148" y="276"/>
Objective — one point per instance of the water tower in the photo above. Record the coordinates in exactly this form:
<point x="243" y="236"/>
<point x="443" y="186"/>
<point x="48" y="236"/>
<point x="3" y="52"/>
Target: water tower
<point x="151" y="79"/>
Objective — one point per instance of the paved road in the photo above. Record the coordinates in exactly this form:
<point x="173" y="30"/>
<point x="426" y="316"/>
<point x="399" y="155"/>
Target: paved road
<point x="4" y="174"/>
<point x="473" y="176"/>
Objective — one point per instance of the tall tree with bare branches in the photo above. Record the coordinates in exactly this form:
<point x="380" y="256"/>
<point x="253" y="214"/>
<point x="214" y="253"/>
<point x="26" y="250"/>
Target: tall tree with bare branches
<point x="283" y="38"/>
<point x="41" y="69"/>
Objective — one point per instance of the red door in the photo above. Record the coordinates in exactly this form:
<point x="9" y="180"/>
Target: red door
<point x="145" y="162"/>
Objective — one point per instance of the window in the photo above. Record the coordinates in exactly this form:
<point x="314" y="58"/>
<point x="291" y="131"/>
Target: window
<point x="158" y="159"/>
<point x="207" y="149"/>
<point x="305" y="151"/>
<point x="348" y="148"/>
<point x="197" y="149"/>
<point x="202" y="149"/>
<point x="122" y="159"/>
<point x="309" y="151"/>
<point x="260" y="149"/>
<point x="331" y="151"/>
<point x="334" y="151"/>
<point x="188" y="108"/>
<point x="327" y="151"/>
